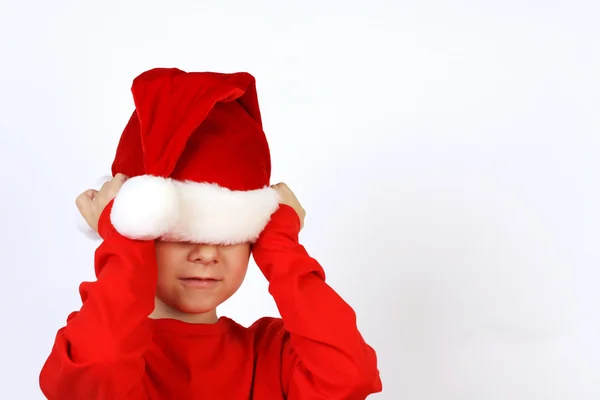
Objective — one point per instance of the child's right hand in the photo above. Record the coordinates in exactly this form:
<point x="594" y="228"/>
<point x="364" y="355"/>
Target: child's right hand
<point x="92" y="202"/>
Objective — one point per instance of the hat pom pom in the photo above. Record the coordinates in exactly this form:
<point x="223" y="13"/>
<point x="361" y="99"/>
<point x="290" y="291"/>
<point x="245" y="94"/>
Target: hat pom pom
<point x="146" y="207"/>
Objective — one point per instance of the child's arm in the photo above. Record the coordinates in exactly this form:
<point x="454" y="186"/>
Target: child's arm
<point x="326" y="357"/>
<point x="99" y="353"/>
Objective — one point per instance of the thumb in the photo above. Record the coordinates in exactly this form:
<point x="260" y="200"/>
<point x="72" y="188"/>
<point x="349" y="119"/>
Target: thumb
<point x="85" y="205"/>
<point x="85" y="198"/>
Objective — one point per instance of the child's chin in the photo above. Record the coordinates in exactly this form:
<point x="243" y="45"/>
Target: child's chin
<point x="197" y="308"/>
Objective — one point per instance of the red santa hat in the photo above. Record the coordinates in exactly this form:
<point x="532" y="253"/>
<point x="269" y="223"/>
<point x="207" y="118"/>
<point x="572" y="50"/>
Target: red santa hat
<point x="198" y="160"/>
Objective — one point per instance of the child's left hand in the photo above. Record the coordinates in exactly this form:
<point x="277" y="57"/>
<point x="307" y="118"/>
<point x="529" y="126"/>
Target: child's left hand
<point x="289" y="198"/>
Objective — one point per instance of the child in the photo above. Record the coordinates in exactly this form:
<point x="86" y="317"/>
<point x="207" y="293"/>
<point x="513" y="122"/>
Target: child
<point x="177" y="237"/>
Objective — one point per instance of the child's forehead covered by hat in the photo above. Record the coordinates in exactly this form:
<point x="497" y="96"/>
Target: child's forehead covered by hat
<point x="198" y="159"/>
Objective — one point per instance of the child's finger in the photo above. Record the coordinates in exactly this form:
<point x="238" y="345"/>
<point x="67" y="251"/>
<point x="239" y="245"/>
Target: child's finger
<point x="85" y="202"/>
<point x="121" y="178"/>
<point x="85" y="197"/>
<point x="90" y="194"/>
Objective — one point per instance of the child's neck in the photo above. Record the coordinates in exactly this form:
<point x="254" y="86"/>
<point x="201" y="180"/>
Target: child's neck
<point x="163" y="311"/>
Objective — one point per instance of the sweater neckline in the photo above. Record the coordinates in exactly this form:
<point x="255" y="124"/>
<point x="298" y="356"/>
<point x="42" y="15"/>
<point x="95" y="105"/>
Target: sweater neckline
<point x="175" y="325"/>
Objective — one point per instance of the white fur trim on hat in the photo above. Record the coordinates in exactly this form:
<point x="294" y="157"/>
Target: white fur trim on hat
<point x="149" y="207"/>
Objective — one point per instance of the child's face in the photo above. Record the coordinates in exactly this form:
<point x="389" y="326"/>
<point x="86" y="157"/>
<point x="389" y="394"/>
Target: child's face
<point x="196" y="278"/>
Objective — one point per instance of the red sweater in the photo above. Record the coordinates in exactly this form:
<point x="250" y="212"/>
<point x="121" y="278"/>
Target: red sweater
<point x="111" y="350"/>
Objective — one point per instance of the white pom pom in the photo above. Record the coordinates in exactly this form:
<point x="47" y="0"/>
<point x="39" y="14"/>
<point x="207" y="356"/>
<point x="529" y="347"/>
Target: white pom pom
<point x="146" y="207"/>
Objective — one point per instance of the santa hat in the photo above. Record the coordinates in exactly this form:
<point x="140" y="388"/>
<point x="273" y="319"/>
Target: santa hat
<point x="198" y="160"/>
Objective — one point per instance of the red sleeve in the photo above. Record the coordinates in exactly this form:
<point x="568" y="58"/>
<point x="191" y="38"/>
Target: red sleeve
<point x="99" y="353"/>
<point x="326" y="357"/>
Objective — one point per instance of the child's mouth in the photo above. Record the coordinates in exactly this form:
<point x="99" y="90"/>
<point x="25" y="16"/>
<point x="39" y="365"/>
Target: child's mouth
<point x="199" y="282"/>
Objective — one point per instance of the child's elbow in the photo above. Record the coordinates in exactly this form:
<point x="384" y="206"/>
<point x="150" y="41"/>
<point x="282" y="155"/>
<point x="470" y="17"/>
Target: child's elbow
<point x="365" y="382"/>
<point x="370" y="384"/>
<point x="363" y="379"/>
<point x="355" y="383"/>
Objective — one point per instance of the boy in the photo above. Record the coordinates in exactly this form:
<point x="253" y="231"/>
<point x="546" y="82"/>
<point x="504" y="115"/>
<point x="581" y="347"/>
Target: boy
<point x="177" y="237"/>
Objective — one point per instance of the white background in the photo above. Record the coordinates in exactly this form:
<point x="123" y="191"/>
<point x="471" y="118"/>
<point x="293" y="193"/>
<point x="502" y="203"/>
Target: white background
<point x="447" y="153"/>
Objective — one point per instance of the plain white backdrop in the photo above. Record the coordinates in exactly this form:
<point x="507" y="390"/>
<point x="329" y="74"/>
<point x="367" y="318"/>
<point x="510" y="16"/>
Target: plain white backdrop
<point x="447" y="153"/>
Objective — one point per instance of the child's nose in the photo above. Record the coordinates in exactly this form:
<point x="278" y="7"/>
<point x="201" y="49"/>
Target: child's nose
<point x="204" y="254"/>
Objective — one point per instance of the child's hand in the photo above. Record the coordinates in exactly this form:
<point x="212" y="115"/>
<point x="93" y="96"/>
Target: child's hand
<point x="288" y="198"/>
<point x="92" y="202"/>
